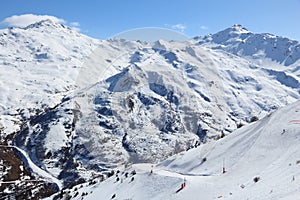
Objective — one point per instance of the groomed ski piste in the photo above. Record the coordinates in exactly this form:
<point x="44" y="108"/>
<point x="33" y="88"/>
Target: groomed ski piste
<point x="261" y="161"/>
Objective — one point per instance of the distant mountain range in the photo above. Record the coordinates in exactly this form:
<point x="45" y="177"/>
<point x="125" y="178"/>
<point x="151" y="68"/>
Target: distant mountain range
<point x="79" y="107"/>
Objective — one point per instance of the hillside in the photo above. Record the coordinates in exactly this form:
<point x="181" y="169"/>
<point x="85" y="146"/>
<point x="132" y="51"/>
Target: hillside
<point x="73" y="108"/>
<point x="261" y="162"/>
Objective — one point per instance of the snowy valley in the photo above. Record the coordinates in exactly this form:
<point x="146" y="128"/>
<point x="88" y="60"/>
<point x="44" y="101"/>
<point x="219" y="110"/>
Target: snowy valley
<point x="73" y="108"/>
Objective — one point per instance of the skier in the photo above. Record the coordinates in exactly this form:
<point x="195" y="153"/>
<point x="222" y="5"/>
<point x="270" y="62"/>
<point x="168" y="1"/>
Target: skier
<point x="151" y="171"/>
<point x="184" y="183"/>
<point x="223" y="168"/>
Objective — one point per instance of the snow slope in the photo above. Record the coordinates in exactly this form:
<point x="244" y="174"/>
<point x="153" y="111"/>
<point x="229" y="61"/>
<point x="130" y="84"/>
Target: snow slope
<point x="267" y="149"/>
<point x="39" y="65"/>
<point x="79" y="106"/>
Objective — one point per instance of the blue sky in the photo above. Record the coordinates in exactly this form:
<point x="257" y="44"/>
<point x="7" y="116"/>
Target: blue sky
<point x="103" y="19"/>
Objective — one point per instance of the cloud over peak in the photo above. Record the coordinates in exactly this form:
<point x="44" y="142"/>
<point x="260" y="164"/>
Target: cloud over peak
<point x="25" y="20"/>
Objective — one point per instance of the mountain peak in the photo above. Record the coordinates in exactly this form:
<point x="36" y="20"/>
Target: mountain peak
<point x="237" y="28"/>
<point x="45" y="23"/>
<point x="239" y="41"/>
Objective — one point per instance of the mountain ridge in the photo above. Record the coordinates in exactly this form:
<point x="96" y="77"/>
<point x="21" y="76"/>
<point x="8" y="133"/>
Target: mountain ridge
<point x="73" y="98"/>
<point x="239" y="41"/>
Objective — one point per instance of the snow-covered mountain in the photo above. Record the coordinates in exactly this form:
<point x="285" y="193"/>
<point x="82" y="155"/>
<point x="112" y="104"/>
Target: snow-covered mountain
<point x="266" y="49"/>
<point x="38" y="66"/>
<point x="76" y="107"/>
<point x="261" y="161"/>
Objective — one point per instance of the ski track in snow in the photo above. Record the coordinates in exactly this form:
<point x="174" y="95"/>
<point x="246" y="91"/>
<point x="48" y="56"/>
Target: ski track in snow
<point x="36" y="169"/>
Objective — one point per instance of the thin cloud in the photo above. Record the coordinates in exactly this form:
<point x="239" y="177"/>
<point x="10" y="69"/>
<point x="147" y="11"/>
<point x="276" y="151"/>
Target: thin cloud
<point x="27" y="19"/>
<point x="204" y="27"/>
<point x="75" y="26"/>
<point x="76" y="29"/>
<point x="177" y="27"/>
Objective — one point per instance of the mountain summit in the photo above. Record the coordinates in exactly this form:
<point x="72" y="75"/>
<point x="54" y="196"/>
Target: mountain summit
<point x="257" y="47"/>
<point x="239" y="28"/>
<point x="47" y="23"/>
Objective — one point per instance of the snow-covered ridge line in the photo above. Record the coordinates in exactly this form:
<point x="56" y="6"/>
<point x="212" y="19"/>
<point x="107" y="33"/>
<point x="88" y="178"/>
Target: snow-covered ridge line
<point x="239" y="41"/>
